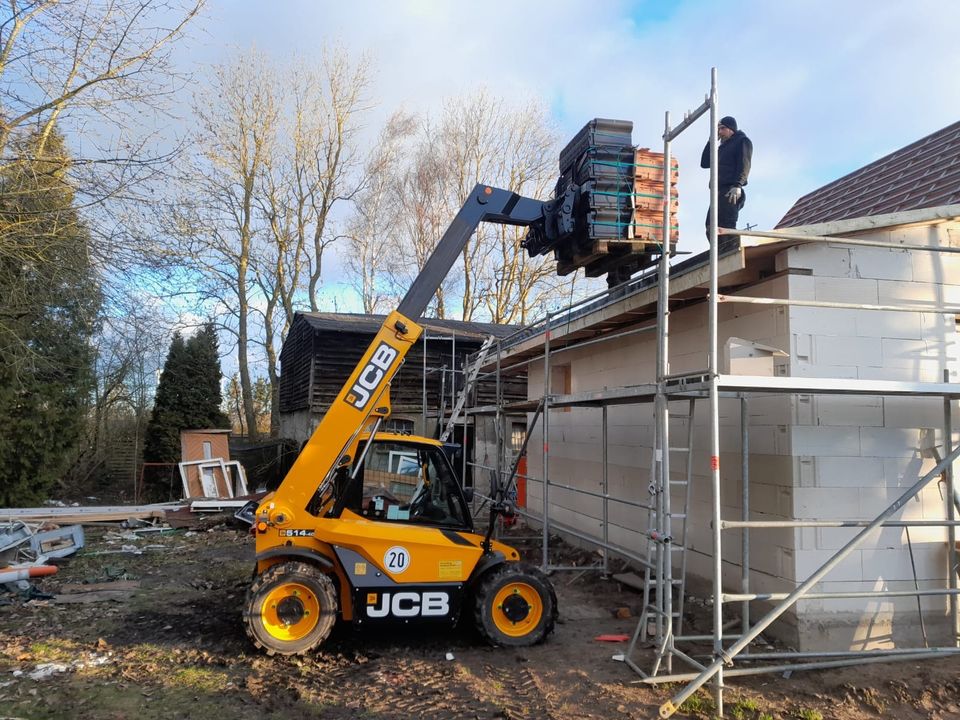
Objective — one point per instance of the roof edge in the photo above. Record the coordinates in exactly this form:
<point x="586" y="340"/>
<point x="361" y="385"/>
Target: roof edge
<point x="872" y="222"/>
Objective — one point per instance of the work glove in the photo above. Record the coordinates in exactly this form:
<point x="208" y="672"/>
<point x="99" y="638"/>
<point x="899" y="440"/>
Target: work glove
<point x="734" y="194"/>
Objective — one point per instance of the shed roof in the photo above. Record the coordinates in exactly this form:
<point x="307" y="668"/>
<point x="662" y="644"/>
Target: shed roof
<point x="369" y="324"/>
<point x="923" y="174"/>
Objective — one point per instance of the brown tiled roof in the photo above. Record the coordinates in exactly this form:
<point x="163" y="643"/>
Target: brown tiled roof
<point x="923" y="174"/>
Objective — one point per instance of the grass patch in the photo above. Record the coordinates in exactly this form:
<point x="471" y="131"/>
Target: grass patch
<point x="745" y="709"/>
<point x="808" y="714"/>
<point x="200" y="679"/>
<point x="699" y="704"/>
<point x="63" y="651"/>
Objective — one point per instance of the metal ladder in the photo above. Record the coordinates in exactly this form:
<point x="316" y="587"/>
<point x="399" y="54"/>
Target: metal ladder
<point x="662" y="547"/>
<point x="469" y="380"/>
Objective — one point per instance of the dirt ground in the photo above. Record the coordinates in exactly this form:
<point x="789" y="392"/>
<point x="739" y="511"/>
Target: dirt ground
<point x="170" y="644"/>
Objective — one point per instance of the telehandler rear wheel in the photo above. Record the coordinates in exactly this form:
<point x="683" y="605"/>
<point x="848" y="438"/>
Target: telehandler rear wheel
<point x="515" y="605"/>
<point x="290" y="608"/>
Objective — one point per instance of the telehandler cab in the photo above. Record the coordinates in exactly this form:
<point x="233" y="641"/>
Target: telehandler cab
<point x="374" y="527"/>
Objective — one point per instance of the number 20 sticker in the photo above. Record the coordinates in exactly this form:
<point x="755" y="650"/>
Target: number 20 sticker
<point x="396" y="559"/>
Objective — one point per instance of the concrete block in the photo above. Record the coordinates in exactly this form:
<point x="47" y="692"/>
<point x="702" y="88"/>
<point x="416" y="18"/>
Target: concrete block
<point x="824" y="371"/>
<point x="881" y="264"/>
<point x="930" y="603"/>
<point x="771" y="469"/>
<point x="834" y="350"/>
<point x="922" y="371"/>
<point x="771" y="500"/>
<point x="934" y="267"/>
<point x="823" y="260"/>
<point x="802" y="287"/>
<point x="838" y="503"/>
<point x="889" y="442"/>
<point x="918" y="293"/>
<point x="847" y="472"/>
<point x="836" y="538"/>
<point x="804" y="410"/>
<point x="845" y="290"/>
<point x="904" y="325"/>
<point x="823" y="321"/>
<point x="874" y="500"/>
<point x="906" y="353"/>
<point x="912" y="412"/>
<point x="894" y="564"/>
<point x="902" y="472"/>
<point x="824" y="440"/>
<point x="805" y="471"/>
<point x="770" y="410"/>
<point x="838" y="410"/>
<point x="809" y="561"/>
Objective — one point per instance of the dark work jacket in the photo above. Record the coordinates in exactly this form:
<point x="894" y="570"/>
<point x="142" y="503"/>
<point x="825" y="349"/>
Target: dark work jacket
<point x="733" y="160"/>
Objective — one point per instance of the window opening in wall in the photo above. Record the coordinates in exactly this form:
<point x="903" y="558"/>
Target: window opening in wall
<point x="518" y="433"/>
<point x="399" y="425"/>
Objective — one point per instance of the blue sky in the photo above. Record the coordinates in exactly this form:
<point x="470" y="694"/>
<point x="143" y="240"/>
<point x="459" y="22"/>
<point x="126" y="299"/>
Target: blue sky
<point x="821" y="88"/>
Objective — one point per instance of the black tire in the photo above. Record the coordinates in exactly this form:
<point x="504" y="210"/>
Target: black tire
<point x="515" y="605"/>
<point x="290" y="609"/>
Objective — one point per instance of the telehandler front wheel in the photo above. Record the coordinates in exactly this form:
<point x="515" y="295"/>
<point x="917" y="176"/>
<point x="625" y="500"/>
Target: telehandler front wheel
<point x="515" y="605"/>
<point x="290" y="608"/>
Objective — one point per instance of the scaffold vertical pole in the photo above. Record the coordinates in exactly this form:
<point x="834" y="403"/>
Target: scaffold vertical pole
<point x="663" y="405"/>
<point x="715" y="400"/>
<point x="545" y="485"/>
<point x="951" y="509"/>
<point x="745" y="510"/>
<point x="606" y="494"/>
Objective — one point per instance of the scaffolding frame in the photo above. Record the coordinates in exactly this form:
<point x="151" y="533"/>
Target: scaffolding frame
<point x="710" y="385"/>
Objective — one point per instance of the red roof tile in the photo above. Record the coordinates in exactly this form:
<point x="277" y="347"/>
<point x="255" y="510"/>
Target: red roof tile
<point x="921" y="175"/>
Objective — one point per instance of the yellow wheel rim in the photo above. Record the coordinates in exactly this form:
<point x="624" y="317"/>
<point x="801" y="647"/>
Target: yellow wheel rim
<point x="517" y="609"/>
<point x="290" y="611"/>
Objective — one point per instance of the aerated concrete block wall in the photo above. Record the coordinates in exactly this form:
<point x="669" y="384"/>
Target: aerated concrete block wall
<point x="811" y="456"/>
<point x="853" y="456"/>
<point x="575" y="448"/>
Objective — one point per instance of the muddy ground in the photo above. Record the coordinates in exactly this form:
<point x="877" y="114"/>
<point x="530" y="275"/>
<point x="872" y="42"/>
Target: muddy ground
<point x="170" y="644"/>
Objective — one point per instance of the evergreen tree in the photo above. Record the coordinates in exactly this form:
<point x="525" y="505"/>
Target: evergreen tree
<point x="188" y="395"/>
<point x="161" y="442"/>
<point x="49" y="301"/>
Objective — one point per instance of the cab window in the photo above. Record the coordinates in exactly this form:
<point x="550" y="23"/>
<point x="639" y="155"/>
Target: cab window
<point x="409" y="483"/>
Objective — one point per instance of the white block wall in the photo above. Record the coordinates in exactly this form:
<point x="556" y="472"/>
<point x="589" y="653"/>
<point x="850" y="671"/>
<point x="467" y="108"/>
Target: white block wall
<point x="811" y="456"/>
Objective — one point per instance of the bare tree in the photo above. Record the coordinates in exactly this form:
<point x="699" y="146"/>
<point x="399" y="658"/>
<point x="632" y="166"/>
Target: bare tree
<point x="479" y="139"/>
<point x="270" y="173"/>
<point x="334" y="157"/>
<point x="101" y="59"/>
<point x="237" y="117"/>
<point x="312" y="168"/>
<point x="373" y="222"/>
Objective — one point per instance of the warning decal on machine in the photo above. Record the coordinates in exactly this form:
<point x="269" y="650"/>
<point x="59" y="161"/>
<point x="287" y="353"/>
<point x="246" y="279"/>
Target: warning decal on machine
<point x="450" y="570"/>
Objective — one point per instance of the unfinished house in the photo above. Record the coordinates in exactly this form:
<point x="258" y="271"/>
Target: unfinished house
<point x="322" y="349"/>
<point x="837" y="375"/>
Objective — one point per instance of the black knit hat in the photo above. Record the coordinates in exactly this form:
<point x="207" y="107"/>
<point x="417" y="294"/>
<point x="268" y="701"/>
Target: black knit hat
<point x="729" y="122"/>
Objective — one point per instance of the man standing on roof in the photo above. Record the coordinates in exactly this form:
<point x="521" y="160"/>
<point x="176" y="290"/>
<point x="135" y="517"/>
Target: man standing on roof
<point x="733" y="168"/>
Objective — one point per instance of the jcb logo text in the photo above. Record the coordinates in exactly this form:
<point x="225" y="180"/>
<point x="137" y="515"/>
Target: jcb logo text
<point x="410" y="604"/>
<point x="371" y="376"/>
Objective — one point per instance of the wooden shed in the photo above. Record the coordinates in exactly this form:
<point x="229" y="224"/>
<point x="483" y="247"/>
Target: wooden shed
<point x="322" y="349"/>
